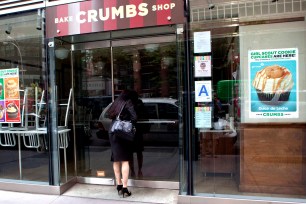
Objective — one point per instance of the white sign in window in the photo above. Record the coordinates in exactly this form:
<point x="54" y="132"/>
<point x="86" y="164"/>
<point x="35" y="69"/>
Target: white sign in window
<point x="202" y="42"/>
<point x="202" y="66"/>
<point x="203" y="117"/>
<point x="203" y="91"/>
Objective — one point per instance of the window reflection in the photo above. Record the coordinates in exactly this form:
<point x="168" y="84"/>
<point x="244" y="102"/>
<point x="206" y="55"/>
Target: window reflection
<point x="21" y="46"/>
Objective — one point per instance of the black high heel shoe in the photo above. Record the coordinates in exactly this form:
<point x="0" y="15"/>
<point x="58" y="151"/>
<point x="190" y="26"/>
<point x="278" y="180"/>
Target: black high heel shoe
<point x="126" y="191"/>
<point x="119" y="189"/>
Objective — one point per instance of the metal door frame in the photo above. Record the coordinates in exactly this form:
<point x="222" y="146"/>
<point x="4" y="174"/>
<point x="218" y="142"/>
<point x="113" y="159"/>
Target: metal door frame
<point x="111" y="44"/>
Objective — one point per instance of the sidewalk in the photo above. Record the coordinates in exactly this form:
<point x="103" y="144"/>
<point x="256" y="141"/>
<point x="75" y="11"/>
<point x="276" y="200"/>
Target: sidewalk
<point x="93" y="194"/>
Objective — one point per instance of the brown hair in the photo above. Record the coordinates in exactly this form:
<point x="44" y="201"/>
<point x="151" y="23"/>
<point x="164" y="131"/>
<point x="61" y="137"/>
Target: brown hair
<point x="119" y="102"/>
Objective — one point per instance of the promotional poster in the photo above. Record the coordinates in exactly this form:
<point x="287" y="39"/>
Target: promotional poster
<point x="9" y="96"/>
<point x="273" y="83"/>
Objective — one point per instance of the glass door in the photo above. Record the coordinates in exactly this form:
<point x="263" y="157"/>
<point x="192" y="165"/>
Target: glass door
<point x="148" y="66"/>
<point x="92" y="93"/>
<point x="101" y="72"/>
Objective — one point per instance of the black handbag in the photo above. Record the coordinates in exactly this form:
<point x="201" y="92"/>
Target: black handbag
<point x="123" y="129"/>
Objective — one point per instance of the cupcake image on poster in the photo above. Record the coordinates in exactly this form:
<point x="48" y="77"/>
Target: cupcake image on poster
<point x="12" y="111"/>
<point x="273" y="84"/>
<point x="2" y="111"/>
<point x="11" y="87"/>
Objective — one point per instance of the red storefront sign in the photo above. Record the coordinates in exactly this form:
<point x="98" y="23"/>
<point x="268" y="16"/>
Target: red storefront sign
<point x="106" y="15"/>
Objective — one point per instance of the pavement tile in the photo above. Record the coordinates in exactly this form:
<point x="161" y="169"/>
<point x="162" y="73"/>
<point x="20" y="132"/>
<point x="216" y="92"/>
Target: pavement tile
<point x="88" y="193"/>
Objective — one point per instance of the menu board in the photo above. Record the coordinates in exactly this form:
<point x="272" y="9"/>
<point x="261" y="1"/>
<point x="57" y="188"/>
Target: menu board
<point x="9" y="96"/>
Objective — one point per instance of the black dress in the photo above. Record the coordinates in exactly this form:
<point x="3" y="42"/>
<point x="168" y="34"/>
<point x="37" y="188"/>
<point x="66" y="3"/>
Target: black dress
<point x="141" y="128"/>
<point x="122" y="150"/>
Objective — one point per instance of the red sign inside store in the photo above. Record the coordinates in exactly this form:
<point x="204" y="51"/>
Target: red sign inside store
<point x="106" y="15"/>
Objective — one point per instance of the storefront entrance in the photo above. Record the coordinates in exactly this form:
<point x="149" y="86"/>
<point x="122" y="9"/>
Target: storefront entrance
<point x="97" y="68"/>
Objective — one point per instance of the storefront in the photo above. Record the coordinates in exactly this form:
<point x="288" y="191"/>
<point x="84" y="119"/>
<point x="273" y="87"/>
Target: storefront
<point x="221" y="82"/>
<point x="112" y="47"/>
<point x="256" y="148"/>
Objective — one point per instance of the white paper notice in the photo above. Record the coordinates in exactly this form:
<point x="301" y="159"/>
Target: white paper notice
<point x="203" y="117"/>
<point x="202" y="65"/>
<point x="202" y="42"/>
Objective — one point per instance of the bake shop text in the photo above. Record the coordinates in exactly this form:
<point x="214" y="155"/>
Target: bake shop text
<point x="103" y="14"/>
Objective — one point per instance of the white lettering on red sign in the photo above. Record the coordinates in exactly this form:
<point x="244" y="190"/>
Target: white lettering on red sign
<point x="143" y="11"/>
<point x="117" y="12"/>
<point x="103" y="14"/>
<point x="131" y="11"/>
<point x="63" y="19"/>
<point x="161" y="7"/>
<point x="80" y="17"/>
<point x="92" y="15"/>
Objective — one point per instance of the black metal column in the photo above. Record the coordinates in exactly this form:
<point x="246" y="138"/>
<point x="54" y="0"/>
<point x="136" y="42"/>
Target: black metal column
<point x="54" y="160"/>
<point x="188" y="97"/>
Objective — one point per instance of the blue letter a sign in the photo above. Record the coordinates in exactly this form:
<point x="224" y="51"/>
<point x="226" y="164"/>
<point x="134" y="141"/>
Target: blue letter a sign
<point x="203" y="91"/>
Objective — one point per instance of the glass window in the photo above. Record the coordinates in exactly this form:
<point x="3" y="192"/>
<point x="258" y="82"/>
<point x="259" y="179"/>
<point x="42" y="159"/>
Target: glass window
<point x="152" y="111"/>
<point x="252" y="145"/>
<point x="24" y="154"/>
<point x="167" y="111"/>
<point x="99" y="73"/>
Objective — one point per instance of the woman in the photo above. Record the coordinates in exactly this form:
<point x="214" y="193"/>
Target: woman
<point x="122" y="150"/>
<point x="138" y="146"/>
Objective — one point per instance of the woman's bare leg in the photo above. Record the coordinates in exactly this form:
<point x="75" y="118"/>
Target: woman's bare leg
<point x="116" y="167"/>
<point x="125" y="167"/>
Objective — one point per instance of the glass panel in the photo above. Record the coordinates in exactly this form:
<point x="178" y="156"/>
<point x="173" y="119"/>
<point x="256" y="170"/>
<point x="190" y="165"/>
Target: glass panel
<point x="215" y="146"/>
<point x="242" y="10"/>
<point x="249" y="9"/>
<point x="273" y="8"/>
<point x="151" y="70"/>
<point x="255" y="146"/>
<point x="235" y="11"/>
<point x="24" y="154"/>
<point x="288" y="6"/>
<point x="93" y="92"/>
<point x="265" y="7"/>
<point x="280" y="6"/>
<point x="64" y="120"/>
<point x="257" y="8"/>
<point x="296" y="5"/>
<point x="201" y="15"/>
<point x="220" y="12"/>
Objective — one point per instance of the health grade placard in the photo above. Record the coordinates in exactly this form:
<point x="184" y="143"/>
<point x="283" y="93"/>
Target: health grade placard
<point x="9" y="96"/>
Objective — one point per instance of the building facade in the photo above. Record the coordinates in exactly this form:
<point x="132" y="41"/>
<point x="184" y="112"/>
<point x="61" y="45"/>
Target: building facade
<point x="221" y="81"/>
